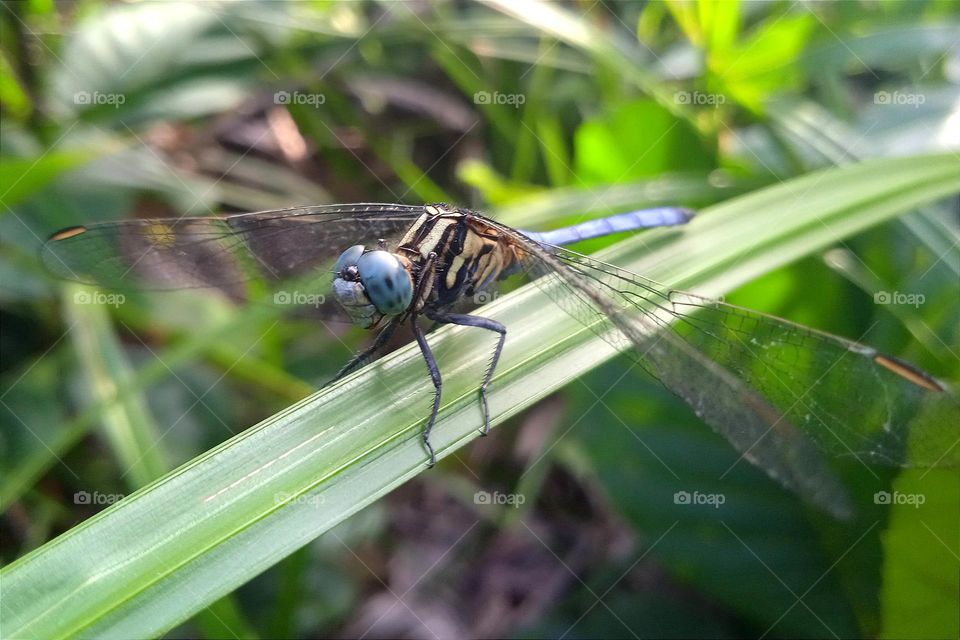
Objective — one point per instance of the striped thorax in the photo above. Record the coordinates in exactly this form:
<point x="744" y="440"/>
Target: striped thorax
<point x="445" y="255"/>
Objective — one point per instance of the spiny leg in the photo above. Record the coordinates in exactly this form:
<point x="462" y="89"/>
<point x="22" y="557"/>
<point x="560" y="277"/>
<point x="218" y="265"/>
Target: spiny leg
<point x="366" y="355"/>
<point x="482" y="323"/>
<point x="437" y="384"/>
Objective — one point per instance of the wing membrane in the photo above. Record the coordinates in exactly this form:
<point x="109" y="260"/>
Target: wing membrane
<point x="851" y="400"/>
<point x="780" y="392"/>
<point x="220" y="252"/>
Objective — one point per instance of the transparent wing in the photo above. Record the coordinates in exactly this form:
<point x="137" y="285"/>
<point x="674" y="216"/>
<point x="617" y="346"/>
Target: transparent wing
<point x="781" y="393"/>
<point x="221" y="252"/>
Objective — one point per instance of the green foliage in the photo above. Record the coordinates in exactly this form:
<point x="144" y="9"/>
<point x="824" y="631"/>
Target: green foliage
<point x="818" y="142"/>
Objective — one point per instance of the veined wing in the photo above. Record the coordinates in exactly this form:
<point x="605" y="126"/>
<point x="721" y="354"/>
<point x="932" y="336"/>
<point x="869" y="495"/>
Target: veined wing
<point x="781" y="393"/>
<point x="221" y="252"/>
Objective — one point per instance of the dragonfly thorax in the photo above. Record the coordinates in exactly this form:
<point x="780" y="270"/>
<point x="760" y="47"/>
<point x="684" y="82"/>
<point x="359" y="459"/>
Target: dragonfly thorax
<point x="371" y="285"/>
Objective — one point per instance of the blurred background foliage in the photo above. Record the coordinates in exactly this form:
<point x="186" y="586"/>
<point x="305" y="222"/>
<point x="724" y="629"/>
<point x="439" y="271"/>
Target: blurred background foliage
<point x="538" y="114"/>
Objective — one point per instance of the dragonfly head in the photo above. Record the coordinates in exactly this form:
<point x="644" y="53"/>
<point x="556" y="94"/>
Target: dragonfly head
<point x="372" y="285"/>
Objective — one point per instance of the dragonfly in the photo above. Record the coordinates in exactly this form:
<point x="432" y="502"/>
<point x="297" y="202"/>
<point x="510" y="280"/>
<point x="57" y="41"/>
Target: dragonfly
<point x="781" y="393"/>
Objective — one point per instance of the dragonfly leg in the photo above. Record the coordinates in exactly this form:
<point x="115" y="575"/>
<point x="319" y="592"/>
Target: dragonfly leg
<point x="489" y="325"/>
<point x="437" y="384"/>
<point x="367" y="354"/>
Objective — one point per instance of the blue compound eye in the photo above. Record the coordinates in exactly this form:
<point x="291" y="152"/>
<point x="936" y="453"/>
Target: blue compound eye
<point x="387" y="283"/>
<point x="348" y="258"/>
